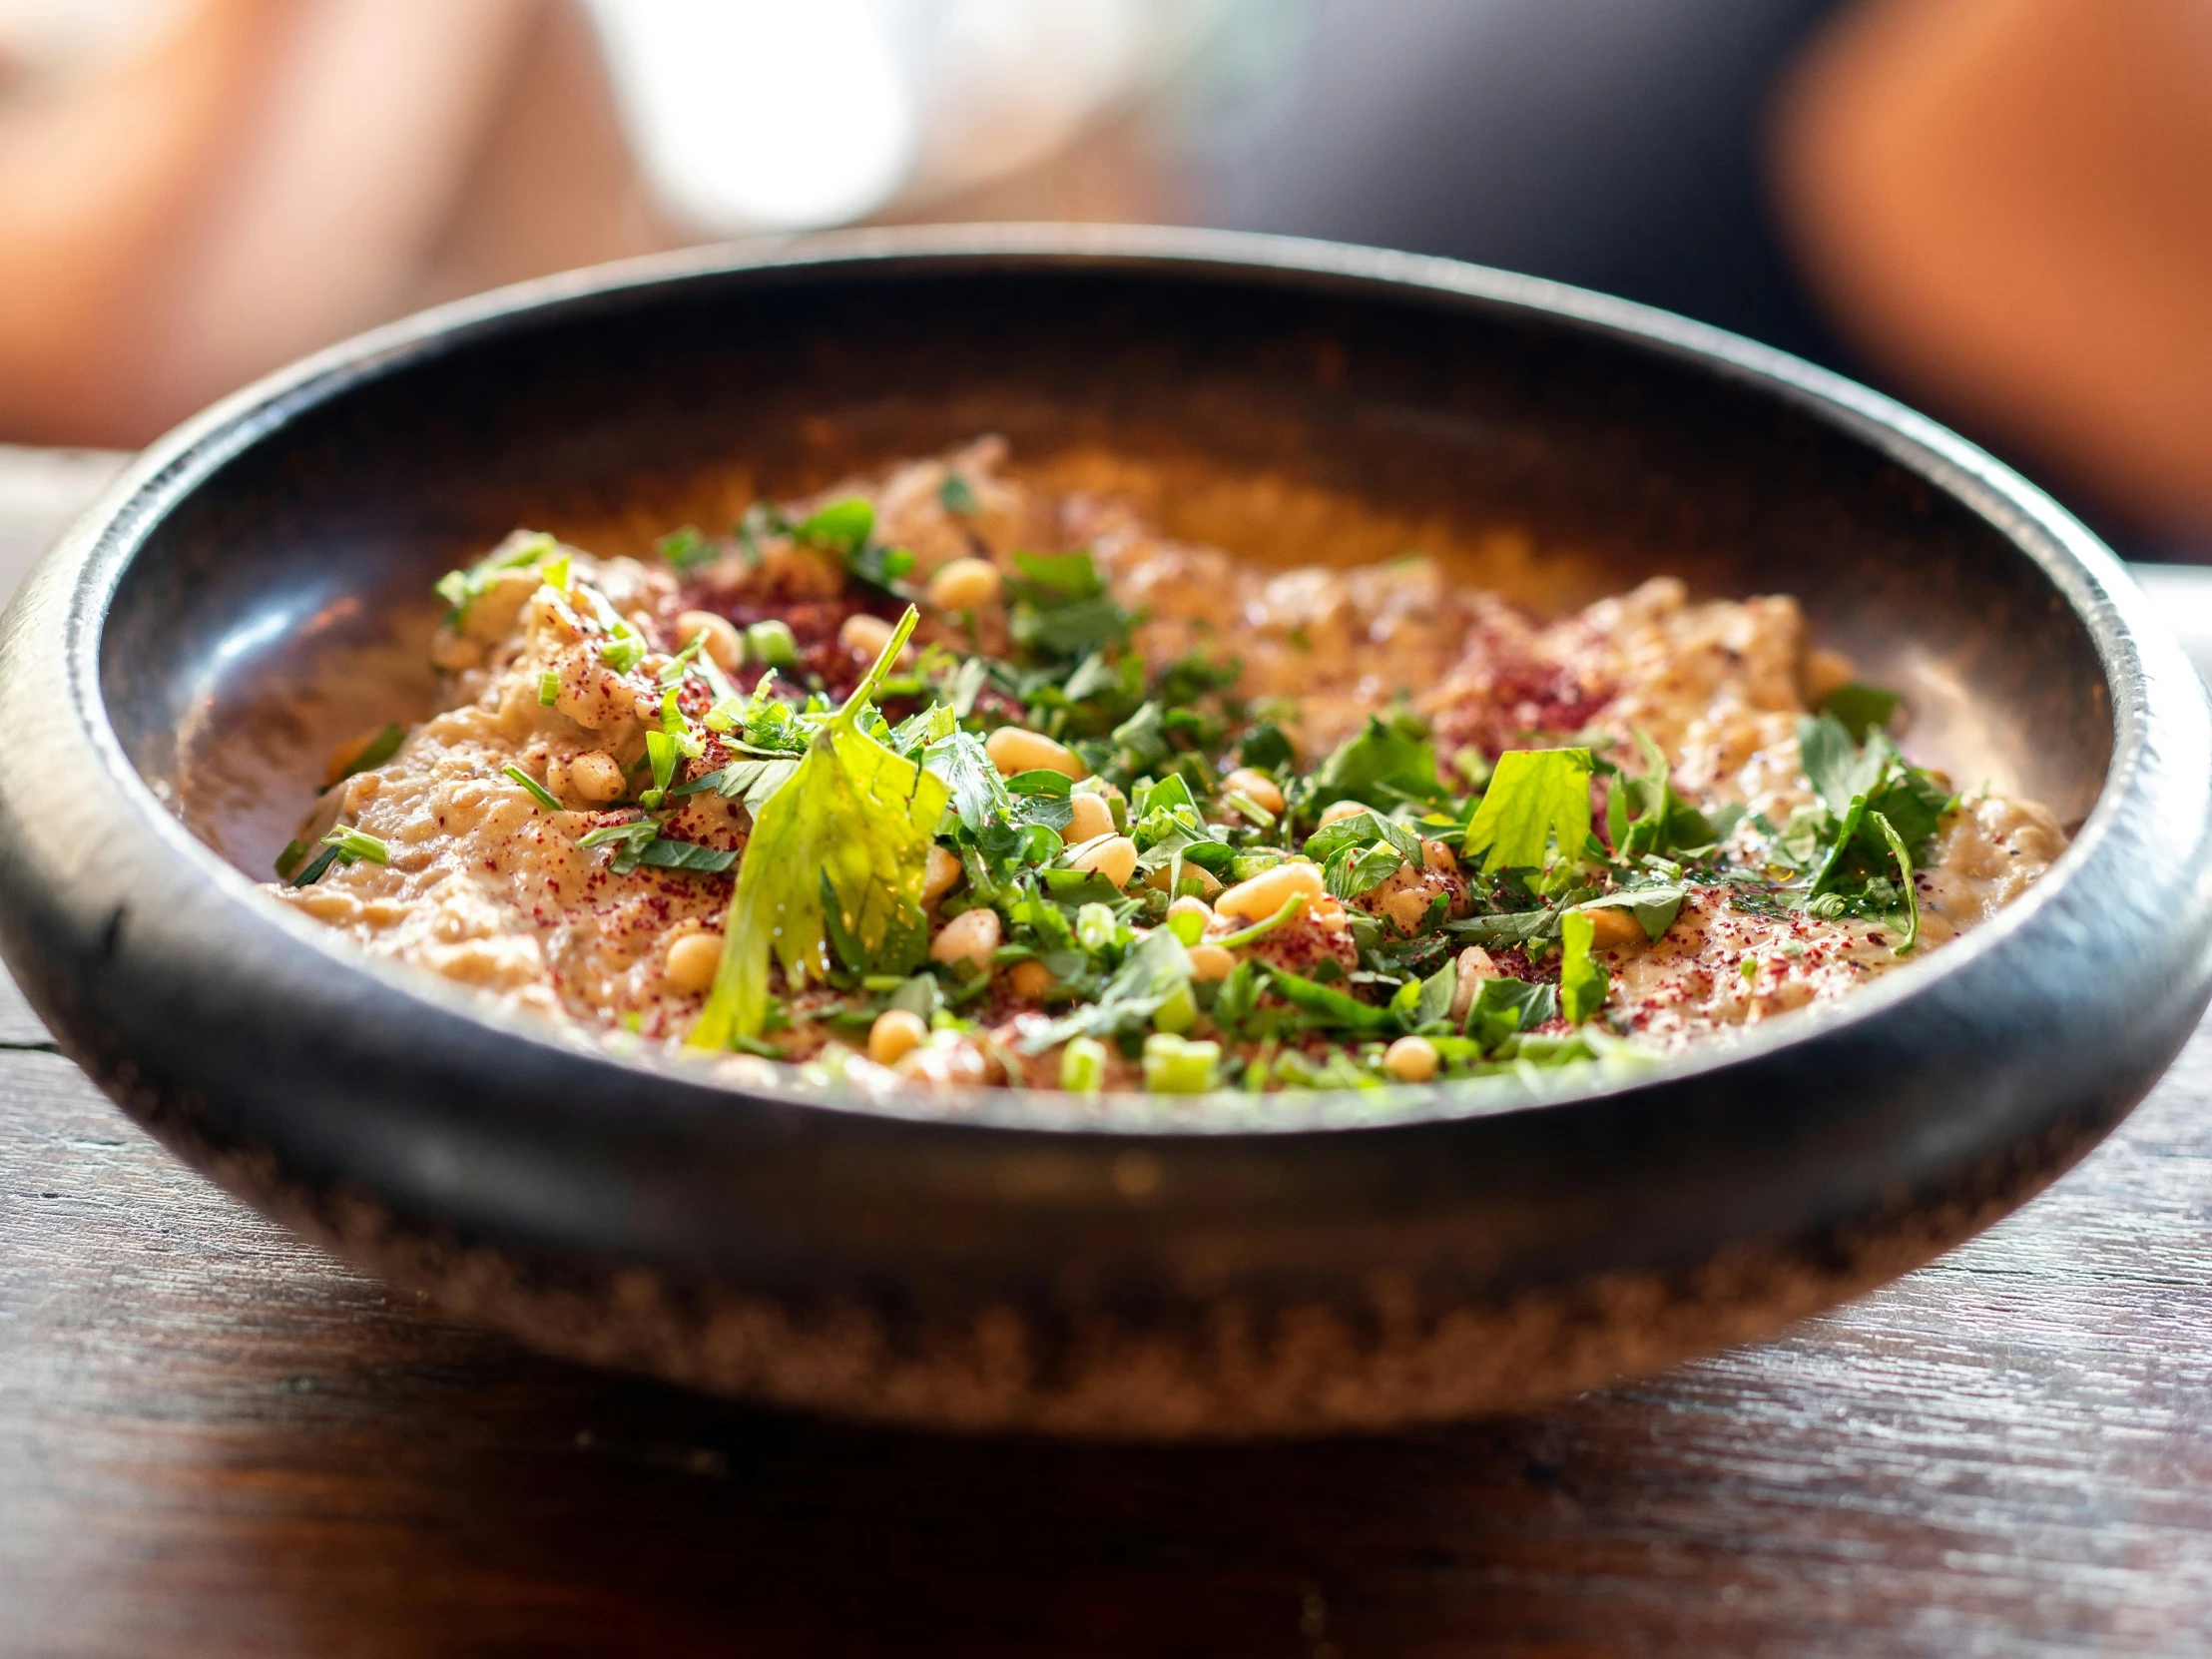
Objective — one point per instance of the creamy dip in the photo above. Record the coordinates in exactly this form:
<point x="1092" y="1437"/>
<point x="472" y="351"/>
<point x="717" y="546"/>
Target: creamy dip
<point x="1127" y="813"/>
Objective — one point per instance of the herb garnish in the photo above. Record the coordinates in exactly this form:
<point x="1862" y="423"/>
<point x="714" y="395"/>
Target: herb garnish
<point x="848" y="832"/>
<point x="343" y="845"/>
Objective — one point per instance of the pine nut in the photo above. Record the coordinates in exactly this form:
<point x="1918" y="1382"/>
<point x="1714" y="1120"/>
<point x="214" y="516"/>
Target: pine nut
<point x="1410" y="1059"/>
<point x="1339" y="810"/>
<point x="1015" y="749"/>
<point x="691" y="960"/>
<point x="864" y="635"/>
<point x="941" y="875"/>
<point x="1475" y="966"/>
<point x="963" y="585"/>
<point x="970" y="936"/>
<point x="1267" y="891"/>
<point x="723" y="643"/>
<point x="1256" y="786"/>
<point x="1116" y="859"/>
<point x="1210" y="962"/>
<point x="896" y="1033"/>
<point x="1613" y="926"/>
<point x="1093" y="817"/>
<point x="595" y="775"/>
<point x="1031" y="981"/>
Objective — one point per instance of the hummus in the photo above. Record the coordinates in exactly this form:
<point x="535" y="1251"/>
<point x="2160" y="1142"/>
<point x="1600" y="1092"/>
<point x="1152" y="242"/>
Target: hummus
<point x="941" y="778"/>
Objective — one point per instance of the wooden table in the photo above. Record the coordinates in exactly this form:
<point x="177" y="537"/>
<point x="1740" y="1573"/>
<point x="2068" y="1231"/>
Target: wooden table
<point x="213" y="1440"/>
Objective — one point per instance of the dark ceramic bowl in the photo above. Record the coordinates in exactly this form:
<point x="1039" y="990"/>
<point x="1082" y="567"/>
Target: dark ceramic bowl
<point x="256" y="587"/>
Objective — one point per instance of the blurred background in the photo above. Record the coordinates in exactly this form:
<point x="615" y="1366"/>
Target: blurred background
<point x="2000" y="210"/>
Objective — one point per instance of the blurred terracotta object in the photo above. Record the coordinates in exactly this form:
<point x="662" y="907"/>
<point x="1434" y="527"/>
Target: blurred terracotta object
<point x="263" y="177"/>
<point x="2009" y="202"/>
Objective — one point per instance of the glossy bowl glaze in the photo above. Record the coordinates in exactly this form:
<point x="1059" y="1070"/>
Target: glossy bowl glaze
<point x="256" y="588"/>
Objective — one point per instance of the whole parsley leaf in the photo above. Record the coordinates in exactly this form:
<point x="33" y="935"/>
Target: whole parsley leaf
<point x="851" y="827"/>
<point x="1537" y="797"/>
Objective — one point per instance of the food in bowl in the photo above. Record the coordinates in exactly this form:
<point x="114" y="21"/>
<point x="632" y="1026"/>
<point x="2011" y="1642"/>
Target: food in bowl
<point x="941" y="776"/>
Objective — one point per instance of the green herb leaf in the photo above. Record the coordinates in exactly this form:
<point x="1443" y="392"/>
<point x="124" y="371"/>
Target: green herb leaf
<point x="750" y="782"/>
<point x="956" y="495"/>
<point x="1537" y="798"/>
<point x="665" y="853"/>
<point x="1154" y="973"/>
<point x="531" y="786"/>
<point x="1328" y="1005"/>
<point x="1582" y="978"/>
<point x="1389" y="759"/>
<point x="1502" y="1007"/>
<point x="1653" y="908"/>
<point x="854" y="819"/>
<point x="1362" y="830"/>
<point x="1263" y="745"/>
<point x="686" y="549"/>
<point x="843" y="527"/>
<point x="1860" y="709"/>
<point x="1904" y="880"/>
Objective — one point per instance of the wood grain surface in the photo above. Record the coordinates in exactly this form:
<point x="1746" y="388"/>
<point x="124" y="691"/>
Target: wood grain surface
<point x="213" y="1440"/>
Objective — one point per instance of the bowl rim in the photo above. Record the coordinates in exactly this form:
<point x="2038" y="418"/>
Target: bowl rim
<point x="2134" y="652"/>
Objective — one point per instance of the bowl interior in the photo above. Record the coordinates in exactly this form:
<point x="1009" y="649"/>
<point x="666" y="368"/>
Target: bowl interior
<point x="284" y="605"/>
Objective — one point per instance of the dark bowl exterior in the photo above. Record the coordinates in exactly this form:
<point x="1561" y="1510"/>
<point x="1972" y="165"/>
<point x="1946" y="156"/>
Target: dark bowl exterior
<point x="1009" y="1266"/>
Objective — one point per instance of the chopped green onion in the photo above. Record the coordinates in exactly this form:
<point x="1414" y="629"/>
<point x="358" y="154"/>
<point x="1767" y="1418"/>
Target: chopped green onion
<point x="549" y="688"/>
<point x="673" y="671"/>
<point x="1175" y="1066"/>
<point x="1083" y="1066"/>
<point x="661" y="751"/>
<point x="354" y="844"/>
<point x="288" y="859"/>
<point x="316" y="868"/>
<point x="1177" y="1012"/>
<point x="1095" y="927"/>
<point x="343" y="845"/>
<point x="535" y="789"/>
<point x="1251" y="809"/>
<point x="624" y="650"/>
